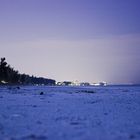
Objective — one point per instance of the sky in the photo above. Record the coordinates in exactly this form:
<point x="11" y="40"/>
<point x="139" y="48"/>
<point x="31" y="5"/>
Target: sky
<point x="84" y="40"/>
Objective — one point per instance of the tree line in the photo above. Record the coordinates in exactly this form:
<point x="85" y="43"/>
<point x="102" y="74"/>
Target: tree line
<point x="10" y="76"/>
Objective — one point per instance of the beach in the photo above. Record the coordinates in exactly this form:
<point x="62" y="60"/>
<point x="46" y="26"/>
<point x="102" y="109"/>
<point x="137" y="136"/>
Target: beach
<point x="69" y="113"/>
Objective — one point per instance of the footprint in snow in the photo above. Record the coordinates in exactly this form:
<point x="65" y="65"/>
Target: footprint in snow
<point x="32" y="137"/>
<point x="132" y="136"/>
<point x="74" y="123"/>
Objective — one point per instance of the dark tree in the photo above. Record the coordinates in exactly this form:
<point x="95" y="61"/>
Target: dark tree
<point x="11" y="76"/>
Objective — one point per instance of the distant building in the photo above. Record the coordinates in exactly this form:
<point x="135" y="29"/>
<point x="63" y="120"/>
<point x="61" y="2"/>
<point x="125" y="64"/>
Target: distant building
<point x="100" y="84"/>
<point x="85" y="84"/>
<point x="65" y="83"/>
<point x="103" y="84"/>
<point x="76" y="83"/>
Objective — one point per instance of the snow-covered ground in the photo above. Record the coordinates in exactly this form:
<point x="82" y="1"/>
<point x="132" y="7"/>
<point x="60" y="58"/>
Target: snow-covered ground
<point x="70" y="113"/>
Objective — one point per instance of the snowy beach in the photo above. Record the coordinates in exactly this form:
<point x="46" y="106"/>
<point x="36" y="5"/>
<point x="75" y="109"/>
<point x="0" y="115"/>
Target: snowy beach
<point x="70" y="113"/>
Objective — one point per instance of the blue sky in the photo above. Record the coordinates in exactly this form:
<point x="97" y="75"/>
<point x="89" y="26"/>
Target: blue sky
<point x="85" y="40"/>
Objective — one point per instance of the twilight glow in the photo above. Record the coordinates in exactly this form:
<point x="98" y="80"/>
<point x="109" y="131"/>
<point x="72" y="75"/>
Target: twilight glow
<point x="84" y="40"/>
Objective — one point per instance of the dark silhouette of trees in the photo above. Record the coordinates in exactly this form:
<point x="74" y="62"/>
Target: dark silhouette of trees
<point x="10" y="76"/>
<point x="3" y="70"/>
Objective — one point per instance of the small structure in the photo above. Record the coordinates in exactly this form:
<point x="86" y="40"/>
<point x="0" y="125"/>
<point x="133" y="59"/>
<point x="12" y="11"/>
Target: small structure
<point x="85" y="84"/>
<point x="65" y="83"/>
